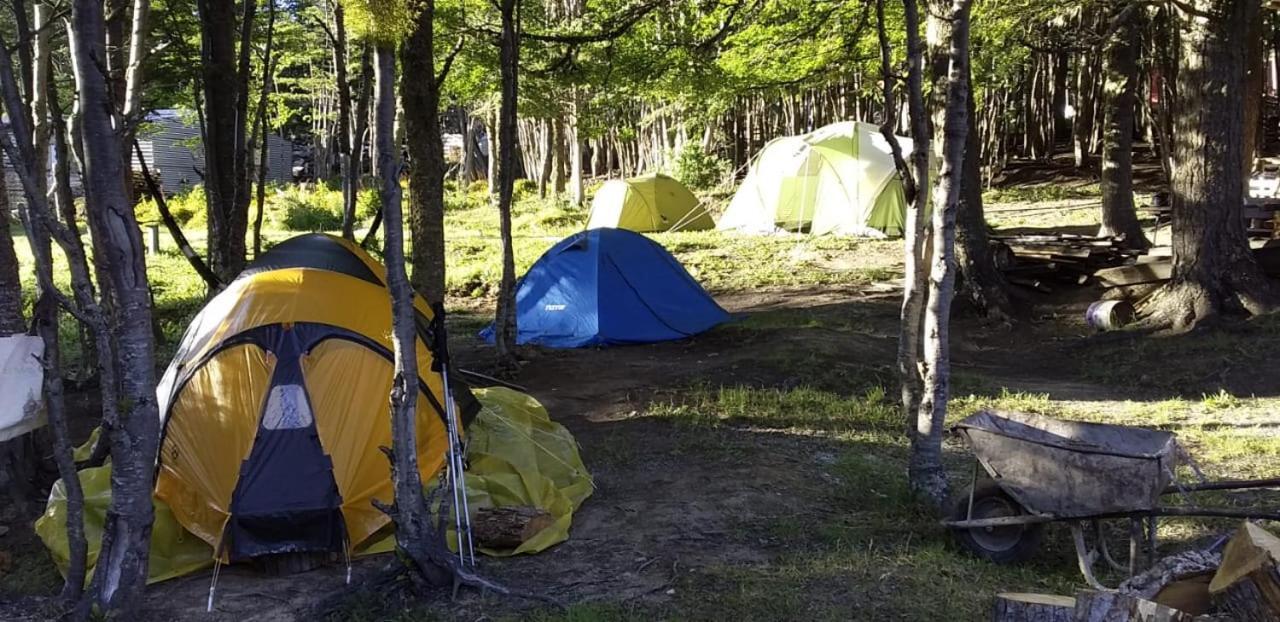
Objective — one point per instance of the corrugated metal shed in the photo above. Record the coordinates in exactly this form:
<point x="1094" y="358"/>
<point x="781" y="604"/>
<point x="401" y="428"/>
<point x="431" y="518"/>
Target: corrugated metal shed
<point x="172" y="149"/>
<point x="13" y="185"/>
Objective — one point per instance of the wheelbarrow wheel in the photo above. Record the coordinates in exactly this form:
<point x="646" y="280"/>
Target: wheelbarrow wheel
<point x="1002" y="545"/>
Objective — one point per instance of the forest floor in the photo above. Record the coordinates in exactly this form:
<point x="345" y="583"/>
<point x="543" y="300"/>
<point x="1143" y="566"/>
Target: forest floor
<point x="756" y="472"/>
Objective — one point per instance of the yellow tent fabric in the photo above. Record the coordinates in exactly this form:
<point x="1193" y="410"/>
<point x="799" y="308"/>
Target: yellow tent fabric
<point x="646" y="204"/>
<point x="518" y="456"/>
<point x="174" y="551"/>
<point x="839" y="179"/>
<point x="300" y="341"/>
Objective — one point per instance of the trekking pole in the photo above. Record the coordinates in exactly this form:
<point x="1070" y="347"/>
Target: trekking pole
<point x="464" y="511"/>
<point x="457" y="474"/>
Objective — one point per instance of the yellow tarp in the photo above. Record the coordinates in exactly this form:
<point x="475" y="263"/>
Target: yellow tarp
<point x="518" y="456"/>
<point x="174" y="551"/>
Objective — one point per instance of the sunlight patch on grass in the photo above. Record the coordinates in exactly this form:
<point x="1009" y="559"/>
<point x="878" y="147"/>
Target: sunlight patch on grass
<point x="803" y="408"/>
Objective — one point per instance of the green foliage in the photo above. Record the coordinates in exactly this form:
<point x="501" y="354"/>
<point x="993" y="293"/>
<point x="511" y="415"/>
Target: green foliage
<point x="188" y="208"/>
<point x="700" y="170"/>
<point x="318" y="209"/>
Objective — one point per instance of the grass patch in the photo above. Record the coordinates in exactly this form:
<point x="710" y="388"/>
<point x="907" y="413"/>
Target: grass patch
<point x="799" y="408"/>
<point x="1040" y="193"/>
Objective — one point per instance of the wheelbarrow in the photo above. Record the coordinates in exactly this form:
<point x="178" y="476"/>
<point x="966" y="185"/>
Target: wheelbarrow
<point x="1041" y="470"/>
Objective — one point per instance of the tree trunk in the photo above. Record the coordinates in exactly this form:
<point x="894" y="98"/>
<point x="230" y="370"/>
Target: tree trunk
<point x="1213" y="270"/>
<point x="264" y="130"/>
<point x="11" y="317"/>
<point x="1120" y="76"/>
<point x="927" y="476"/>
<point x="1082" y="123"/>
<point x="1254" y="81"/>
<point x="491" y="132"/>
<point x="121" y="571"/>
<point x="413" y="528"/>
<point x="505" y="316"/>
<point x="577" y="193"/>
<point x="983" y="284"/>
<point x="343" y="87"/>
<point x="359" y="135"/>
<point x="915" y="232"/>
<point x="1012" y="607"/>
<point x="1099" y="606"/>
<point x="421" y="101"/>
<point x="227" y="227"/>
<point x="46" y="325"/>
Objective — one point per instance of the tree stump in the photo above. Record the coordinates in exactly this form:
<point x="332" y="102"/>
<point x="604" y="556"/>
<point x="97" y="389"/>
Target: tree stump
<point x="509" y="527"/>
<point x="1096" y="606"/>
<point x="1247" y="585"/>
<point x="1017" y="607"/>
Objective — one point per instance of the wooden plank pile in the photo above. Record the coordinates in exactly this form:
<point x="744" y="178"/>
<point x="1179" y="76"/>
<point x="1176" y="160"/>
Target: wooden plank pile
<point x="1041" y="260"/>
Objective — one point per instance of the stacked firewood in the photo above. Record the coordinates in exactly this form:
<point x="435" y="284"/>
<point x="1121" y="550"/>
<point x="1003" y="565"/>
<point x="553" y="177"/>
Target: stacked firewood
<point x="1040" y="261"/>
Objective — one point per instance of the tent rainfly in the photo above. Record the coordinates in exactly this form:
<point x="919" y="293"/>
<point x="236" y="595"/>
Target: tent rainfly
<point x="275" y="405"/>
<point x="608" y="287"/>
<point x="838" y="179"/>
<point x="648" y="203"/>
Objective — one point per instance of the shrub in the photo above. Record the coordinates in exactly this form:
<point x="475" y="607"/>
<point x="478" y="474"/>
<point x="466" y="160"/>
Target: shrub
<point x="188" y="208"/>
<point x="368" y="204"/>
<point x="699" y="169"/>
<point x="303" y="217"/>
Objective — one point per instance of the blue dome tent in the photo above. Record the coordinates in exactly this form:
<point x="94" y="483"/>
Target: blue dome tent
<point x="607" y="287"/>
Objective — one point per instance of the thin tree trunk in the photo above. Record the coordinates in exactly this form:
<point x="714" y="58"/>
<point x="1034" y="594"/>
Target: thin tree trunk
<point x="421" y="100"/>
<point x="346" y="166"/>
<point x="414" y="532"/>
<point x="264" y="130"/>
<point x="505" y="316"/>
<point x="1213" y="269"/>
<point x="12" y="320"/>
<point x="360" y="133"/>
<point x="121" y="571"/>
<point x="1082" y="124"/>
<point x="914" y="235"/>
<point x="46" y="326"/>
<point x="983" y="284"/>
<point x="226" y="230"/>
<point x="1119" y="91"/>
<point x="927" y="476"/>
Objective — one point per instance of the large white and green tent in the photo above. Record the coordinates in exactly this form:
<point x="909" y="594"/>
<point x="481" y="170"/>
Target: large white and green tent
<point x="838" y="179"/>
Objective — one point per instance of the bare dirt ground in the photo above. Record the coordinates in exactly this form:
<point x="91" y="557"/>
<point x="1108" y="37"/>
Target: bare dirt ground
<point x="669" y="503"/>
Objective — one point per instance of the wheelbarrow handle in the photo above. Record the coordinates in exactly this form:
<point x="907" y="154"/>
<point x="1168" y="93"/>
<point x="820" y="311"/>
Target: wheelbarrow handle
<point x="1223" y="484"/>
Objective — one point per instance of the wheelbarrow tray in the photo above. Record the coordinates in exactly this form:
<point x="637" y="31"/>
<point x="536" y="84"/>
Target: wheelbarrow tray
<point x="1071" y="469"/>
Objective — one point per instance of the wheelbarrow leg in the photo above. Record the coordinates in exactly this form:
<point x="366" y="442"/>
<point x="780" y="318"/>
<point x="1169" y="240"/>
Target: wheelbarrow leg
<point x="1151" y="540"/>
<point x="1135" y="544"/>
<point x="1086" y="557"/>
<point x="1101" y="540"/>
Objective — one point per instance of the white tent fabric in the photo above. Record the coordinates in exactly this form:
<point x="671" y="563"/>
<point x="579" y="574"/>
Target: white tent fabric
<point x="826" y="181"/>
<point x="21" y="377"/>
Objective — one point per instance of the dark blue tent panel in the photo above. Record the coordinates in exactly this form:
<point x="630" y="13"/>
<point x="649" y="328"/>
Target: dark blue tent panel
<point x="609" y="286"/>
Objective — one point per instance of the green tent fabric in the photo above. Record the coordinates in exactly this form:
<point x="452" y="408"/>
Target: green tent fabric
<point x="838" y="179"/>
<point x="518" y="456"/>
<point x="646" y="204"/>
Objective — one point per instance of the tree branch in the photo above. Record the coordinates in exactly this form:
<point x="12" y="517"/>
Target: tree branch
<point x="175" y="230"/>
<point x="448" y="62"/>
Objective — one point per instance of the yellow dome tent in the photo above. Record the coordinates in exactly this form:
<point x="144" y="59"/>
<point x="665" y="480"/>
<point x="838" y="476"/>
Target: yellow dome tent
<point x="646" y="204"/>
<point x="837" y="179"/>
<point x="276" y="403"/>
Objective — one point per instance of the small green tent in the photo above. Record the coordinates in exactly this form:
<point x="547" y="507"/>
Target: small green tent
<point x="647" y="203"/>
<point x="837" y="179"/>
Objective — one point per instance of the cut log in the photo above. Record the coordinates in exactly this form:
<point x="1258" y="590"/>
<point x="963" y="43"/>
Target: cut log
<point x="509" y="527"/>
<point x="1096" y="606"/>
<point x="1016" y="607"/>
<point x="1247" y="585"/>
